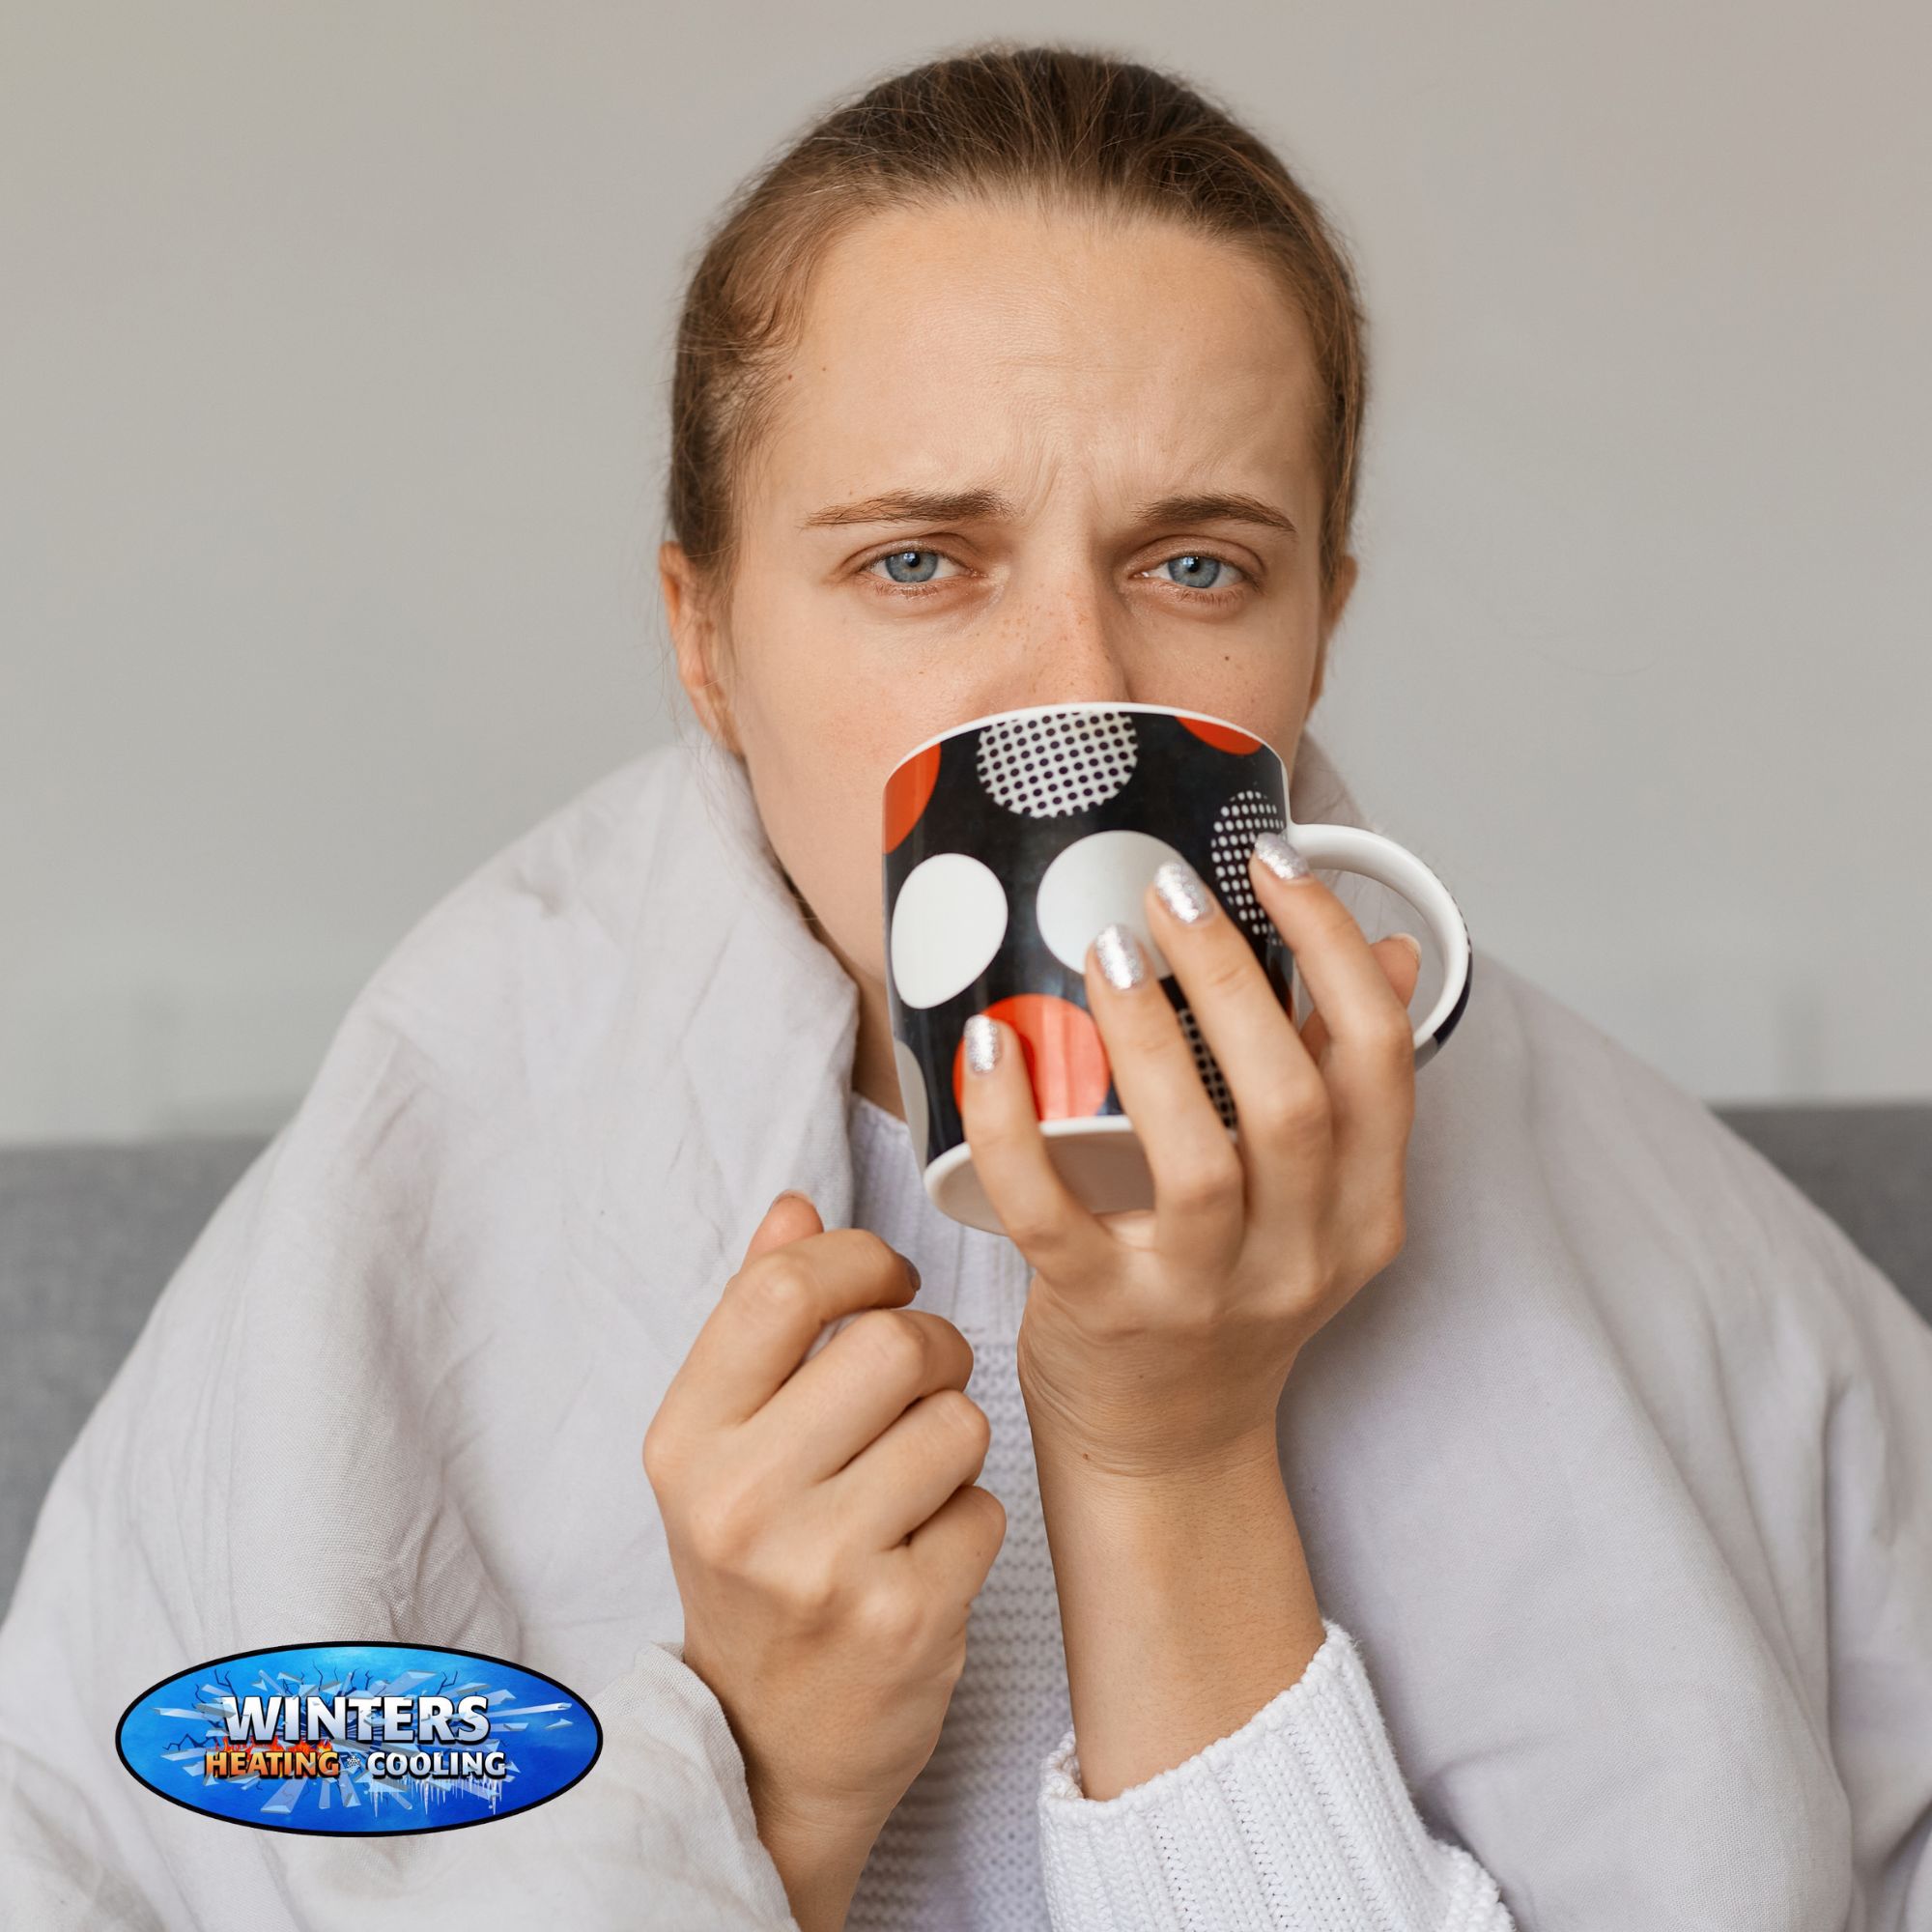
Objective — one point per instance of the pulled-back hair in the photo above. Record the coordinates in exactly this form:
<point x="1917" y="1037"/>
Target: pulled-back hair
<point x="1051" y="126"/>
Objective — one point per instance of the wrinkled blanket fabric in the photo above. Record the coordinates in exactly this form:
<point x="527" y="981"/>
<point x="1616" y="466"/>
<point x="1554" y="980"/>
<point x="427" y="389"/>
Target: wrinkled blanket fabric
<point x="1620" y="1475"/>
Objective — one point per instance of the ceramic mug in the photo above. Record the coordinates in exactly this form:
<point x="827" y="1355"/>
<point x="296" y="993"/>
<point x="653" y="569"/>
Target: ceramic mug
<point x="1012" y="840"/>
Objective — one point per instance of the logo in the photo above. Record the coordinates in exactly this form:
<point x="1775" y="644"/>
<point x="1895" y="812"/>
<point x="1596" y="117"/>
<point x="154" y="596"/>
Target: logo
<point x="359" y="1740"/>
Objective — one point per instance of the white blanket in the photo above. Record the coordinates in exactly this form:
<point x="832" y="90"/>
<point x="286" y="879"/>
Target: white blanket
<point x="1621" y="1474"/>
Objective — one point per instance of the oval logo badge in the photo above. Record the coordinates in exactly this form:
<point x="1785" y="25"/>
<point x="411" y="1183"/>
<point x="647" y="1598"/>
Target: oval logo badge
<point x="359" y="1740"/>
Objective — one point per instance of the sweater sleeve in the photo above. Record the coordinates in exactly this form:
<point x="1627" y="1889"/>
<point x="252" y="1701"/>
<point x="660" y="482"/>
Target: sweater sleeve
<point x="1300" y="1819"/>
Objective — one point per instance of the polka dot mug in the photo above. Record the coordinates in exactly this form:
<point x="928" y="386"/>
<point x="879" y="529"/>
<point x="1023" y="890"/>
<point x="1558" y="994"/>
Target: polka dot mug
<point x="1011" y="840"/>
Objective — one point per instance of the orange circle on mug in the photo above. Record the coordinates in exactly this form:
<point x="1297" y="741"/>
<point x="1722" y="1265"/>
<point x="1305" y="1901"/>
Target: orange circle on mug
<point x="1223" y="737"/>
<point x="1065" y="1058"/>
<point x="908" y="792"/>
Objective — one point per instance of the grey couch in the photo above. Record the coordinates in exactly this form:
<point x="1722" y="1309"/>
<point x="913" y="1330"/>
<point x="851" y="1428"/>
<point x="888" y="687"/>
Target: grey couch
<point x="89" y="1236"/>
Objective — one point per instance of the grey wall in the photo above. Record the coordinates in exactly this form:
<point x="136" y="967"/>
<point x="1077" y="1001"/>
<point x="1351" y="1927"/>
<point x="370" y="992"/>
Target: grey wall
<point x="330" y="440"/>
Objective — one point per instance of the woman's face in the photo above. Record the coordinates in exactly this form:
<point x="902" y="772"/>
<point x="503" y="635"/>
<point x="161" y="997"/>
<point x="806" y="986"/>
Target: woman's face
<point x="1017" y="459"/>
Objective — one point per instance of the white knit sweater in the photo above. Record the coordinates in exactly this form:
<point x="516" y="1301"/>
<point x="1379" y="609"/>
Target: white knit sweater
<point x="1300" y="1819"/>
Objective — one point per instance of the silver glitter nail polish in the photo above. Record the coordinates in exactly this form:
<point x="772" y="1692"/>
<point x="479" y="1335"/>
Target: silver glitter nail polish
<point x="1183" y="892"/>
<point x="983" y="1044"/>
<point x="1280" y="857"/>
<point x="1122" y="963"/>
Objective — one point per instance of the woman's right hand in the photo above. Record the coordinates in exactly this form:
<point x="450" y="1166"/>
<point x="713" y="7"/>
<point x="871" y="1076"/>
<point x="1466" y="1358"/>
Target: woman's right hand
<point x="827" y="1535"/>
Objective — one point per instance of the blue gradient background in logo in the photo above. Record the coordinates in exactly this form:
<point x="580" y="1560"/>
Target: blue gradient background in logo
<point x="549" y="1736"/>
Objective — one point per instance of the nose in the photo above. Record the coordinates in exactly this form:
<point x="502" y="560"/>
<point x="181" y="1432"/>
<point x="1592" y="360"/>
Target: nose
<point x="1070" y="641"/>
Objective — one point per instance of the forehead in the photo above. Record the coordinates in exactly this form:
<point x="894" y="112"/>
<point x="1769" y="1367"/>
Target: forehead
<point x="967" y="336"/>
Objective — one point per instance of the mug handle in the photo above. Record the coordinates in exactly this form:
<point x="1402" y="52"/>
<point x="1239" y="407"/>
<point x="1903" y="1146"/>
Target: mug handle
<point x="1351" y="848"/>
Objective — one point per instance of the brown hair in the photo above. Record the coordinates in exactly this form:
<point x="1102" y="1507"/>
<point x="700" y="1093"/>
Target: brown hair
<point x="1050" y="125"/>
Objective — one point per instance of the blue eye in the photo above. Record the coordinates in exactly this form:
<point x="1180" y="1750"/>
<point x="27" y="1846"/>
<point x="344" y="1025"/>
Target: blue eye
<point x="909" y="566"/>
<point x="1201" y="572"/>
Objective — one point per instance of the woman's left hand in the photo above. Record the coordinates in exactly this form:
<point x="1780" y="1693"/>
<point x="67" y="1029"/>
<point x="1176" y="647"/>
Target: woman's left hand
<point x="1158" y="1342"/>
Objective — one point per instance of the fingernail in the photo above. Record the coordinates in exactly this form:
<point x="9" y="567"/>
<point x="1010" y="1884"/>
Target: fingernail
<point x="983" y="1044"/>
<point x="1122" y="963"/>
<point x="912" y="1269"/>
<point x="1183" y="892"/>
<point x="1413" y="944"/>
<point x="1280" y="857"/>
<point x="781" y="1194"/>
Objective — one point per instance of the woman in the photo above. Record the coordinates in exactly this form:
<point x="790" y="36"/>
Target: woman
<point x="1028" y="375"/>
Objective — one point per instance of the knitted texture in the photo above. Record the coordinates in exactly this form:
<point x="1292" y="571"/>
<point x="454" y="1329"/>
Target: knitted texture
<point x="1298" y="1819"/>
<point x="961" y="1848"/>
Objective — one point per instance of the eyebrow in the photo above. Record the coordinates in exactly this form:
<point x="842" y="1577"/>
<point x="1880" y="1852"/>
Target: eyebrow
<point x="959" y="506"/>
